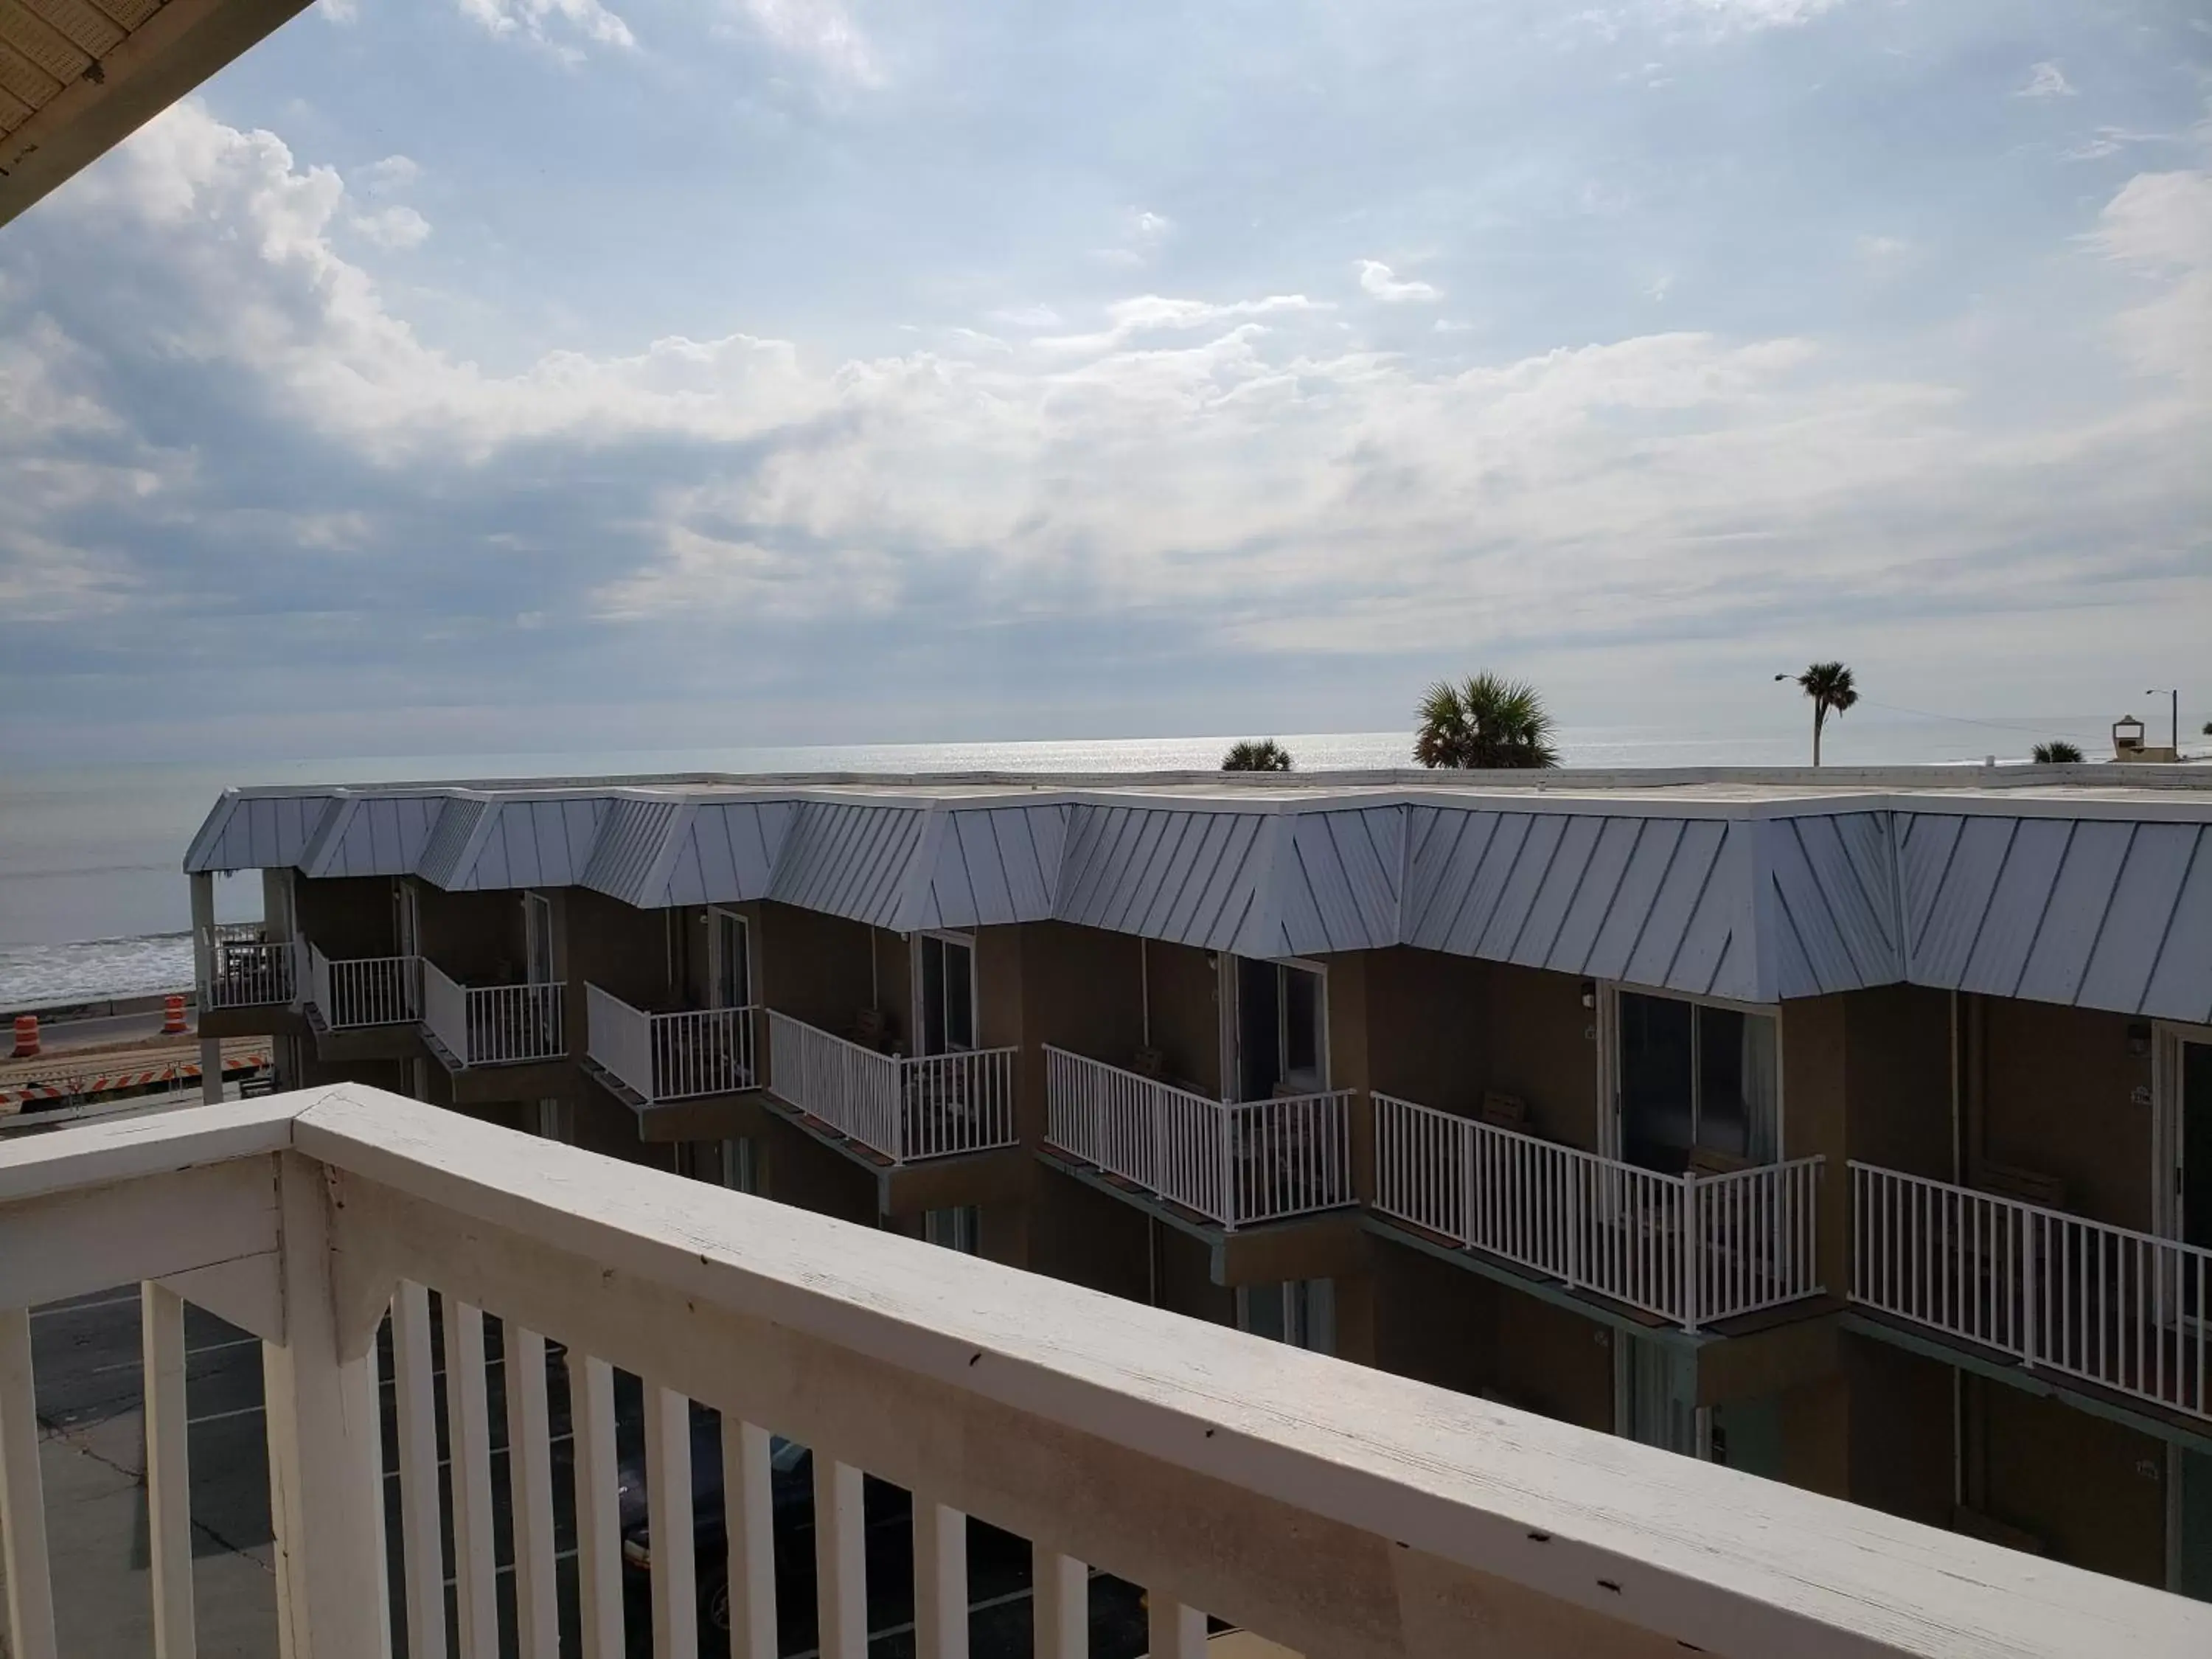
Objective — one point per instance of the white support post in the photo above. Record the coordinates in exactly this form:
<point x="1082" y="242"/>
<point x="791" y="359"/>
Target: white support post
<point x="940" y="1581"/>
<point x="669" y="1522"/>
<point x="203" y="964"/>
<point x="749" y="1501"/>
<point x="1061" y="1605"/>
<point x="530" y="1494"/>
<point x="326" y="1462"/>
<point x="421" y="1529"/>
<point x="468" y="1435"/>
<point x="1177" y="1631"/>
<point x="841" y="1561"/>
<point x="168" y="1473"/>
<point x="22" y="1497"/>
<point x="599" y="1533"/>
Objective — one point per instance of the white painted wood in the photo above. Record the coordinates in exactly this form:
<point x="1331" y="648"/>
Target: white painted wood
<point x="326" y="1468"/>
<point x="1176" y="1631"/>
<point x="530" y="1494"/>
<point x="468" y="1441"/>
<point x="1061" y="1604"/>
<point x="168" y="1473"/>
<point x="247" y="1290"/>
<point x="67" y="1244"/>
<point x="940" y="1580"/>
<point x="599" y="1532"/>
<point x="111" y="1149"/>
<point x="23" y="1497"/>
<point x="422" y="1528"/>
<point x="747" y="1304"/>
<point x="748" y="1494"/>
<point x="669" y="1522"/>
<point x="841" y="1559"/>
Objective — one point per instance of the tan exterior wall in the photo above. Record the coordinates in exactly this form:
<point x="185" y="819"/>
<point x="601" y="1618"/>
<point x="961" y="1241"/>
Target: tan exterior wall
<point x="475" y="938"/>
<point x="2055" y="1094"/>
<point x="1815" y="1116"/>
<point x="1900" y="1430"/>
<point x="1186" y="1014"/>
<point x="1081" y="990"/>
<point x="347" y="917"/>
<point x="1434" y="1320"/>
<point x="1897" y="1078"/>
<point x="1428" y="1027"/>
<point x="1085" y="1237"/>
<point x="2091" y="1491"/>
<point x="1542" y="1046"/>
<point x="1547" y="1359"/>
<point x="813" y="967"/>
<point x="894" y="978"/>
<point x="622" y="950"/>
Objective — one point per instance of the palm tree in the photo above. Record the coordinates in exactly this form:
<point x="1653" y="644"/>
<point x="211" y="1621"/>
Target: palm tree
<point x="1829" y="685"/>
<point x="1486" y="721"/>
<point x="2057" y="752"/>
<point x="1256" y="755"/>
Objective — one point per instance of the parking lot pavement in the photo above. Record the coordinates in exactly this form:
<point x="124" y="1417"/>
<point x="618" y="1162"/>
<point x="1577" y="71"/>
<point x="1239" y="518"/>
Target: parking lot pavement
<point x="92" y="1459"/>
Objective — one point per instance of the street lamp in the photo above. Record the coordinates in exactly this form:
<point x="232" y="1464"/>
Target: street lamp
<point x="2174" y="707"/>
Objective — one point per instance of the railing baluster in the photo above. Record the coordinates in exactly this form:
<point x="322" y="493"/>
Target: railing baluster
<point x="749" y="1509"/>
<point x="421" y="1529"/>
<point x="599" y="1529"/>
<point x="669" y="1523"/>
<point x="168" y="1473"/>
<point x="940" y="1583"/>
<point x="841" y="1560"/>
<point x="1176" y="1631"/>
<point x="22" y="1497"/>
<point x="1061" y="1606"/>
<point x="468" y="1435"/>
<point x="530" y="1494"/>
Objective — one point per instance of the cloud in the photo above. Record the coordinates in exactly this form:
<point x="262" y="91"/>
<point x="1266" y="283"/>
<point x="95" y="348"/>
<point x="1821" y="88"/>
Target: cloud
<point x="1883" y="250"/>
<point x="2045" y="81"/>
<point x="557" y="25"/>
<point x="1147" y="313"/>
<point x="821" y="30"/>
<point x="1376" y="279"/>
<point x="2160" y="225"/>
<point x="1032" y="316"/>
<point x="388" y="177"/>
<point x="343" y="13"/>
<point x="1722" y="16"/>
<point x="399" y="228"/>
<point x="1143" y="234"/>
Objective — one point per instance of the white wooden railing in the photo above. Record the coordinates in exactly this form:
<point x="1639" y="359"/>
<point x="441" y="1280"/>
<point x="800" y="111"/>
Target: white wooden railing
<point x="358" y="991"/>
<point x="1234" y="1164"/>
<point x="2123" y="1309"/>
<point x="930" y="1106"/>
<point x="1326" y="1506"/>
<point x="664" y="1057"/>
<point x="1691" y="1249"/>
<point x="241" y="968"/>
<point x="493" y="1025"/>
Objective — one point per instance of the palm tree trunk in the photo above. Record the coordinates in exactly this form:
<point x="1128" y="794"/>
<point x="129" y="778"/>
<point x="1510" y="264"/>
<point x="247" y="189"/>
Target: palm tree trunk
<point x="1819" y="714"/>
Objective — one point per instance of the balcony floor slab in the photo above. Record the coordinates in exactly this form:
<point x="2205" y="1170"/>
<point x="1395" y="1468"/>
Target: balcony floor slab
<point x="398" y="1041"/>
<point x="733" y="1114"/>
<point x="255" y="1019"/>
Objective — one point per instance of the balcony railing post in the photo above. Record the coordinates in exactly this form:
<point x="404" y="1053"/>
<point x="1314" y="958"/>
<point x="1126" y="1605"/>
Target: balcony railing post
<point x="1692" y="1250"/>
<point x="1227" y="1200"/>
<point x="326" y="1461"/>
<point x="1571" y="1177"/>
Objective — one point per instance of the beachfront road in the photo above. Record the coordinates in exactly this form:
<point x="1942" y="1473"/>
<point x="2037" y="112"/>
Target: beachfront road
<point x="92" y="1458"/>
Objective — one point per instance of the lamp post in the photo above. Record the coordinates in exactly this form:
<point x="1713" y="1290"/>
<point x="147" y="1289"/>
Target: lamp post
<point x="2174" y="707"/>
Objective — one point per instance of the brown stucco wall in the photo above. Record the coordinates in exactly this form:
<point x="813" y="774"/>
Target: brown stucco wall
<point x="1547" y="1359"/>
<point x="895" y="988"/>
<point x="475" y="938"/>
<point x="1085" y="1237"/>
<point x="1815" y="1049"/>
<point x="1185" y="997"/>
<point x="1542" y="1046"/>
<point x="1897" y="1078"/>
<point x="352" y="917"/>
<point x="622" y="950"/>
<point x="2091" y="1491"/>
<point x="813" y="967"/>
<point x="1434" y="1322"/>
<point x="1428" y="1027"/>
<point x="2055" y="1096"/>
<point x="1080" y="991"/>
<point x="1900" y="1430"/>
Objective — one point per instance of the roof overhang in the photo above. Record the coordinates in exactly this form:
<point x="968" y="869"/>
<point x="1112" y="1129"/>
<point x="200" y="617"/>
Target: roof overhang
<point x="79" y="77"/>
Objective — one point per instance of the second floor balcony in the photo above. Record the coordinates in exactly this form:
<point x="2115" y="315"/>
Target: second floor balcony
<point x="661" y="1058"/>
<point x="350" y="993"/>
<point x="476" y="1025"/>
<point x="1232" y="1163"/>
<point x="1692" y="1250"/>
<point x="899" y="1108"/>
<point x="240" y="967"/>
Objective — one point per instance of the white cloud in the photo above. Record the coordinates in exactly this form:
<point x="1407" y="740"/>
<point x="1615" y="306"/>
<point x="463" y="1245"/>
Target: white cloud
<point x="1034" y="316"/>
<point x="1149" y="313"/>
<point x="388" y="177"/>
<point x="1728" y="16"/>
<point x="822" y="30"/>
<point x="553" y="24"/>
<point x="1883" y="250"/>
<point x="2045" y="81"/>
<point x="1453" y="326"/>
<point x="399" y="228"/>
<point x="1143" y="234"/>
<point x="1376" y="279"/>
<point x="340" y="12"/>
<point x="2160" y="224"/>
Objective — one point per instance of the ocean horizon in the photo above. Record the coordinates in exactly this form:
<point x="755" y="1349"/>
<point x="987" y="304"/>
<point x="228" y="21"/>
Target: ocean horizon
<point x="93" y="902"/>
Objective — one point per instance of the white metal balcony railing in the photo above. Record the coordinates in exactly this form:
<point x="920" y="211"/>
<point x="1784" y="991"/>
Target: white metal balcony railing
<point x="929" y="1106"/>
<point x="2123" y="1309"/>
<point x="1691" y="1249"/>
<point x="353" y="992"/>
<point x="241" y="969"/>
<point x="1233" y="1163"/>
<point x="493" y="1025"/>
<point x="666" y="1057"/>
<point x="1283" y="1491"/>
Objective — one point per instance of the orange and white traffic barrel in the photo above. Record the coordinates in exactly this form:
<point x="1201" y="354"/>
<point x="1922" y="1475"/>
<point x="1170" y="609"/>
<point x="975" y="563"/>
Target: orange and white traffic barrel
<point x="173" y="1015"/>
<point x="27" y="1035"/>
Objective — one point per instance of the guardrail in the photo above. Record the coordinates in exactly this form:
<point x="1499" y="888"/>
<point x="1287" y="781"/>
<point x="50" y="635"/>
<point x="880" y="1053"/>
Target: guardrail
<point x="241" y="968"/>
<point x="1691" y="1249"/>
<point x="1233" y="1163"/>
<point x="674" y="1056"/>
<point x="931" y="1106"/>
<point x="1283" y="1491"/>
<point x="493" y="1025"/>
<point x="352" y="992"/>
<point x="2126" y="1310"/>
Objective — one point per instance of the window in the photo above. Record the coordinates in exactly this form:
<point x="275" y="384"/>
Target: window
<point x="1654" y="1392"/>
<point x="1282" y="1026"/>
<point x="741" y="1166"/>
<point x="944" y="1018"/>
<point x="538" y="938"/>
<point x="1696" y="1075"/>
<point x="730" y="950"/>
<point x="954" y="1228"/>
<point x="556" y="1121"/>
<point x="1301" y="1312"/>
<point x="406" y="918"/>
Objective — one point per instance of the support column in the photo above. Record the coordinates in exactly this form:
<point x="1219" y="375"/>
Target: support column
<point x="22" y="1497"/>
<point x="326" y="1468"/>
<point x="203" y="886"/>
<point x="749" y="1501"/>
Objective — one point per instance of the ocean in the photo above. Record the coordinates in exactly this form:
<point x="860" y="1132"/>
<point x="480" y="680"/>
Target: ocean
<point x="94" y="903"/>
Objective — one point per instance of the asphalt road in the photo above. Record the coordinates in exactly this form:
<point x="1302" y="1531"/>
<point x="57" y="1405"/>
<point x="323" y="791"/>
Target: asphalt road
<point x="92" y="1458"/>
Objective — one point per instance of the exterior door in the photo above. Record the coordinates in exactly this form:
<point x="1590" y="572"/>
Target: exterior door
<point x="1695" y="1075"/>
<point x="944" y="994"/>
<point x="732" y="960"/>
<point x="538" y="938"/>
<point x="406" y="918"/>
<point x="1282" y="1027"/>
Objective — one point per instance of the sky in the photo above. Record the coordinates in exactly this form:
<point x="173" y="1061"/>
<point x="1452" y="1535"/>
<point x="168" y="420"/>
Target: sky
<point x="523" y="375"/>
